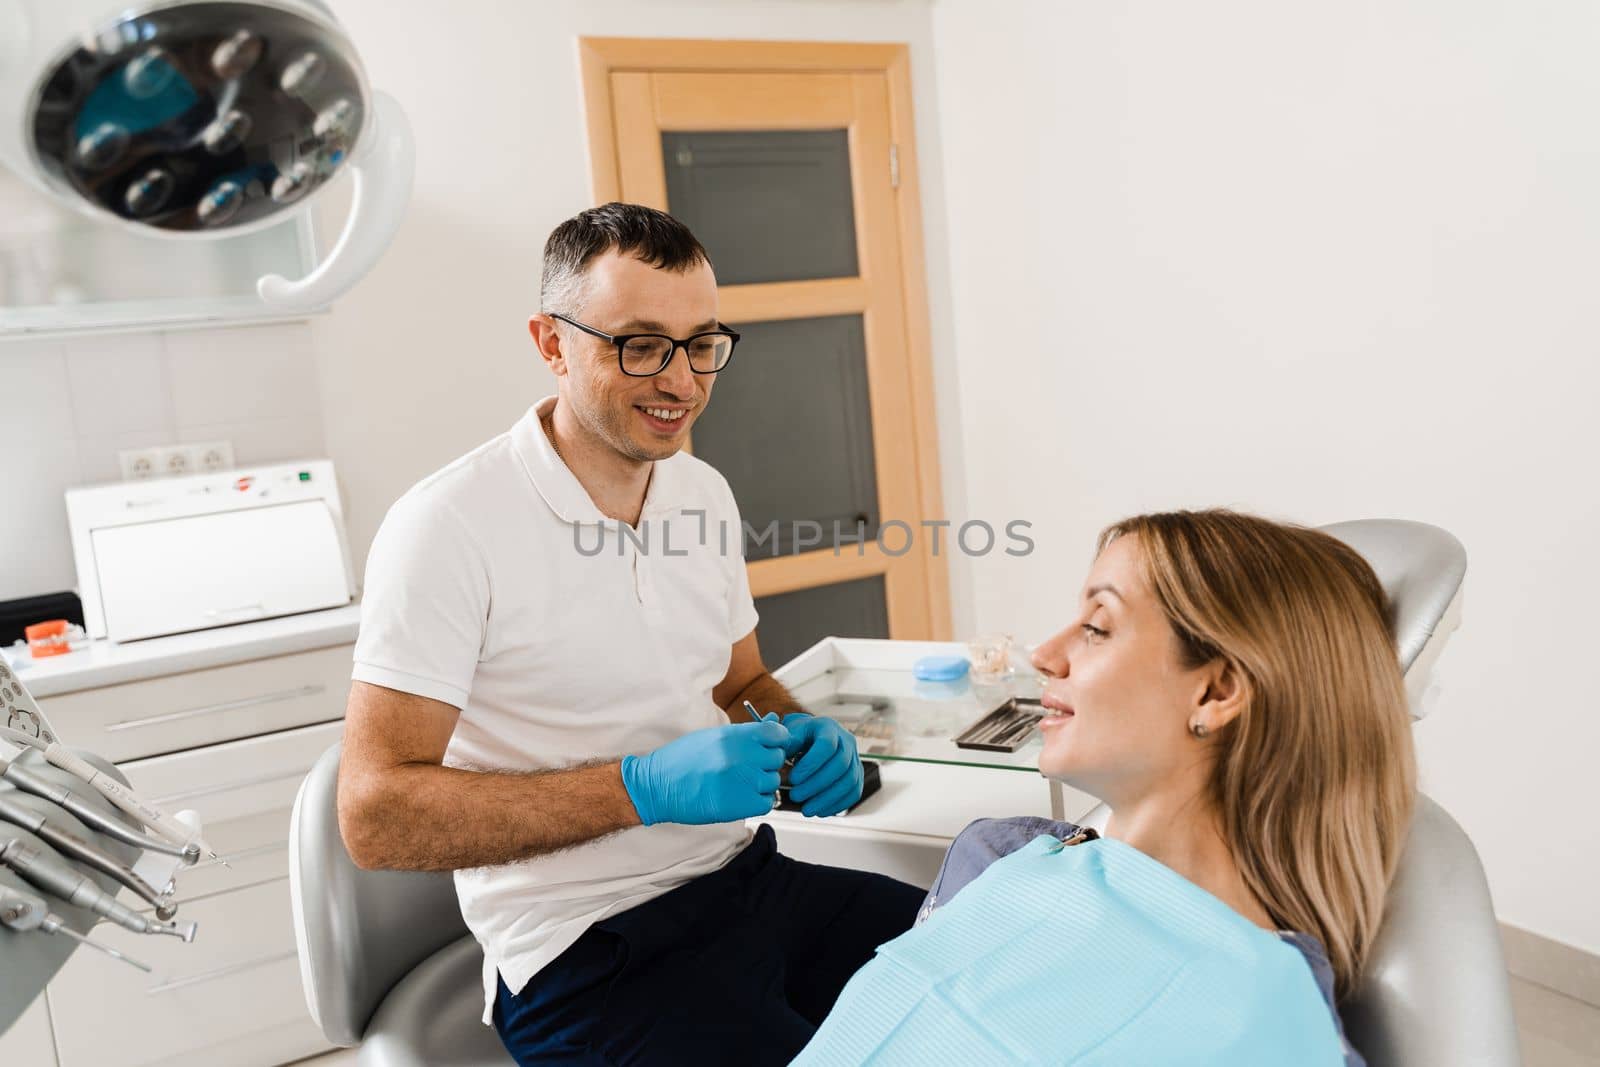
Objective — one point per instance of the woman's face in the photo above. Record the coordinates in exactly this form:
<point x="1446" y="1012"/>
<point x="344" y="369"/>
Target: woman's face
<point x="1118" y="699"/>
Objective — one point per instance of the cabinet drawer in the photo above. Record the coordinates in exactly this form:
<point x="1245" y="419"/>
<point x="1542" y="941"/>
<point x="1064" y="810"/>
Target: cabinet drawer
<point x="226" y="998"/>
<point x="243" y="792"/>
<point x="179" y="711"/>
<point x="28" y="1042"/>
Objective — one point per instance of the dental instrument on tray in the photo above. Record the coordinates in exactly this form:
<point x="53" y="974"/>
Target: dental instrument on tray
<point x="22" y="912"/>
<point x="1005" y="729"/>
<point x="61" y="796"/>
<point x="60" y="880"/>
<point x="158" y="821"/>
<point x="77" y="848"/>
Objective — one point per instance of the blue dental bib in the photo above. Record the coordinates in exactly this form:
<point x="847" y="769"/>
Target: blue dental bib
<point x="1088" y="954"/>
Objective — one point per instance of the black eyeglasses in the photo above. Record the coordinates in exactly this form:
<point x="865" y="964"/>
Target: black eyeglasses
<point x="642" y="355"/>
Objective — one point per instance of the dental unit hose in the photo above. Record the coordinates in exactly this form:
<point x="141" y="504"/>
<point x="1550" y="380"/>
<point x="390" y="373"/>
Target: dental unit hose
<point x="59" y="880"/>
<point x="77" y="848"/>
<point x="22" y="912"/>
<point x="60" y="795"/>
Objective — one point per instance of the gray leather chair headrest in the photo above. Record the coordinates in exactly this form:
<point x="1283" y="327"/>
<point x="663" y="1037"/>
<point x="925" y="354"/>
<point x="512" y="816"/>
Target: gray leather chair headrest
<point x="1421" y="568"/>
<point x="358" y="932"/>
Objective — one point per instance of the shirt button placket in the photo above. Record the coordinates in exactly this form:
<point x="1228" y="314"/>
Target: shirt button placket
<point x="641" y="574"/>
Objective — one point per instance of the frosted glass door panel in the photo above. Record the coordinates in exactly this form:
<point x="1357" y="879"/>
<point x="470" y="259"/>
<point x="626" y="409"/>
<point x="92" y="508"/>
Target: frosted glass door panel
<point x="769" y="206"/>
<point x="790" y="427"/>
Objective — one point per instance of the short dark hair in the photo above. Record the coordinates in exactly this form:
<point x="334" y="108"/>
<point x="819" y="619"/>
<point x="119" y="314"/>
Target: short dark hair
<point x="652" y="236"/>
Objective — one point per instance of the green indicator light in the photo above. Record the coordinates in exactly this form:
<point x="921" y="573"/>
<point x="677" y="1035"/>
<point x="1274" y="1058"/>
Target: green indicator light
<point x="305" y="476"/>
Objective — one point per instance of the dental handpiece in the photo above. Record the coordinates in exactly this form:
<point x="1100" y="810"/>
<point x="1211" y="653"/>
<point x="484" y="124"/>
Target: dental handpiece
<point x="60" y="795"/>
<point x="22" y="912"/>
<point x="118" y="794"/>
<point x="62" y="881"/>
<point x="76" y="847"/>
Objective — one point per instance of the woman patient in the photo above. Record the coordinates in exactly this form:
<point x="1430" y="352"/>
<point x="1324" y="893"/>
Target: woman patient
<point x="1229" y="688"/>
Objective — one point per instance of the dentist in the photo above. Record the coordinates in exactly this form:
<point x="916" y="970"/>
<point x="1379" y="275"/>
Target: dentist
<point x="557" y="636"/>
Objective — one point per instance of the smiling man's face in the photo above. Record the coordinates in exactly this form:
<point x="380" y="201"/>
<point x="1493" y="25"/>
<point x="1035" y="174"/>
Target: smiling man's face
<point x="641" y="418"/>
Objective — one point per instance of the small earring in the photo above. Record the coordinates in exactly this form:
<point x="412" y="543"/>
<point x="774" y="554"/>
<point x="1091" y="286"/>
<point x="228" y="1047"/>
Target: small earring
<point x="1199" y="729"/>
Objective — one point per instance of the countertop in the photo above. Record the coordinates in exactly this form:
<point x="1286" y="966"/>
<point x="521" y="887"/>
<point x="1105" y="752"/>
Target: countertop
<point x="102" y="663"/>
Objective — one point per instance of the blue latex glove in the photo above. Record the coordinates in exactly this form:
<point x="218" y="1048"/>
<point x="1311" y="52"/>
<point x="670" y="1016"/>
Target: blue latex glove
<point x="827" y="778"/>
<point x="718" y="774"/>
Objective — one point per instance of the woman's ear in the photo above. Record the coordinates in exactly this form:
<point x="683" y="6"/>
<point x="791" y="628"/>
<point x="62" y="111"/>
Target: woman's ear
<point x="542" y="328"/>
<point x="1226" y="694"/>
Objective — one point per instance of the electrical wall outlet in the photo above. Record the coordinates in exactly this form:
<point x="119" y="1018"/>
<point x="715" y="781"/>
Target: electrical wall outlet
<point x="212" y="456"/>
<point x="138" y="464"/>
<point x="170" y="461"/>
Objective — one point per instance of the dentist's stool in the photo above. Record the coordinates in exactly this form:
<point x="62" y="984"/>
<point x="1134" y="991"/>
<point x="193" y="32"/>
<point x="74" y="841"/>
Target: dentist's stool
<point x="386" y="959"/>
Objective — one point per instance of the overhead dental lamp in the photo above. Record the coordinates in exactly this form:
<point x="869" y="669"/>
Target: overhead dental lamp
<point x="204" y="120"/>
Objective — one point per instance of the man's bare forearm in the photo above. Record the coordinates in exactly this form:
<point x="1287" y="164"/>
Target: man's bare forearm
<point x="767" y="694"/>
<point x="421" y="816"/>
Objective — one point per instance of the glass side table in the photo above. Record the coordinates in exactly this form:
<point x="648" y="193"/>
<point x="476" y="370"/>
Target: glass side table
<point x="867" y="685"/>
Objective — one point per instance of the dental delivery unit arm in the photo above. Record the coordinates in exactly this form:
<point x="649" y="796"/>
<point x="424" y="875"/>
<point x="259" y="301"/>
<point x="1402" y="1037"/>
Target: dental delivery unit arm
<point x="73" y="836"/>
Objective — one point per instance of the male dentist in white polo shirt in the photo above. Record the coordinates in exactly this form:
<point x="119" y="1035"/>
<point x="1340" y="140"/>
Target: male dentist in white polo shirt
<point x="557" y="639"/>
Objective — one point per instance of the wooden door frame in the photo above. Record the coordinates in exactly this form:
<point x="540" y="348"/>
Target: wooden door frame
<point x="600" y="57"/>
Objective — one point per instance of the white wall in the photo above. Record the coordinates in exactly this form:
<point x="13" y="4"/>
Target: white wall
<point x="71" y="404"/>
<point x="430" y="356"/>
<point x="1322" y="262"/>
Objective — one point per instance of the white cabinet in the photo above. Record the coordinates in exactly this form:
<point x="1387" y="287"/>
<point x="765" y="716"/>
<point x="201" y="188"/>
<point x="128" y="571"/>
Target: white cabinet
<point x="231" y="997"/>
<point x="184" y="711"/>
<point x="243" y="792"/>
<point x="232" y="743"/>
<point x="28" y="1041"/>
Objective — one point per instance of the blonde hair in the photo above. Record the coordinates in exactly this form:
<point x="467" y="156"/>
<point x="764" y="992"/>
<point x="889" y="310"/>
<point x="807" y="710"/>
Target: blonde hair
<point x="1316" y="777"/>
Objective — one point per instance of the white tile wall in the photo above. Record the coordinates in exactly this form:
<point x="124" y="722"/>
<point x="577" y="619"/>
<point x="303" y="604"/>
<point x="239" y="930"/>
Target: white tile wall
<point x="240" y="374"/>
<point x="119" y="384"/>
<point x="67" y="407"/>
<point x="38" y="458"/>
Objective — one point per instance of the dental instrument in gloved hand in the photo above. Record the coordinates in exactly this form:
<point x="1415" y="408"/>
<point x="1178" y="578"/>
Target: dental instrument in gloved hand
<point x="61" y="796"/>
<point x="77" y="848"/>
<point x="60" y="880"/>
<point x="22" y="912"/>
<point x="121" y="796"/>
<point x="827" y="776"/>
<point x="788" y="763"/>
<point x="719" y="774"/>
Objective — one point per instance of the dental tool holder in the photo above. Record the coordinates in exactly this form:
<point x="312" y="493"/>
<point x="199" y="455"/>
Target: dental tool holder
<point x="28" y="960"/>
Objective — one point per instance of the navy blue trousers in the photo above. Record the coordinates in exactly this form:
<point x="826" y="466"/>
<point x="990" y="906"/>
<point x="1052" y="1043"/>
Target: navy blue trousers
<point x="738" y="966"/>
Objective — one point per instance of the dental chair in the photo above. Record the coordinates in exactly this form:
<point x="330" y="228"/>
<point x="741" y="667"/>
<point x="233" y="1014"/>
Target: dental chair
<point x="388" y="963"/>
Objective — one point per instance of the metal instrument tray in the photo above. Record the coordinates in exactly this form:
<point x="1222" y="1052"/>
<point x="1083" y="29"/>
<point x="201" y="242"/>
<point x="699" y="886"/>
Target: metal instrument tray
<point x="1005" y="729"/>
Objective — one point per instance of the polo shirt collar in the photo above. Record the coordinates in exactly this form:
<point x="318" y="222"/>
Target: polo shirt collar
<point x="560" y="487"/>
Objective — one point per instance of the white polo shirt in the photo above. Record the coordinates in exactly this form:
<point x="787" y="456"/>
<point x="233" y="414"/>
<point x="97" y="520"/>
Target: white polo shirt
<point x="561" y="644"/>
